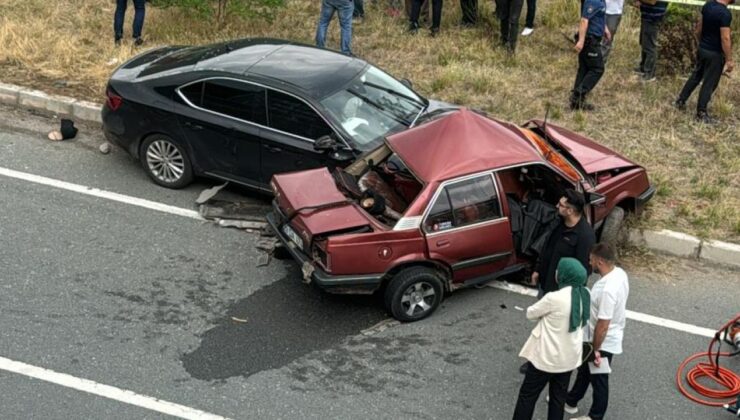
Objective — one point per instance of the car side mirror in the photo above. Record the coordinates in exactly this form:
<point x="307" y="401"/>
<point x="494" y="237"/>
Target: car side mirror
<point x="596" y="199"/>
<point x="407" y="83"/>
<point x="325" y="143"/>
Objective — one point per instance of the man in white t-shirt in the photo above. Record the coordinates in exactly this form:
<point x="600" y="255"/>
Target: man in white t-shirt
<point x="605" y="330"/>
<point x="614" y="9"/>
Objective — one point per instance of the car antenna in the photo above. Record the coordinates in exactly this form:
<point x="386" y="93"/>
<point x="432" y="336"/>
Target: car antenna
<point x="544" y="123"/>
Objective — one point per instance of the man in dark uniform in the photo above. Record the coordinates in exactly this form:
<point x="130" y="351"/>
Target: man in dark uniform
<point x="572" y="237"/>
<point x="591" y="29"/>
<point x="508" y="13"/>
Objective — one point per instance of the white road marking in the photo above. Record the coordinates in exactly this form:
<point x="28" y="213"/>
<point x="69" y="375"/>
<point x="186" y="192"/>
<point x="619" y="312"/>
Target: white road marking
<point x="635" y="316"/>
<point x="106" y="391"/>
<point x="95" y="192"/>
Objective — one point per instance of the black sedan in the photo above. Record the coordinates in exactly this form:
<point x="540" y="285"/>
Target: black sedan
<point x="244" y="110"/>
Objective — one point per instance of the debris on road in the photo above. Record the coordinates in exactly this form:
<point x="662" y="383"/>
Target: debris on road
<point x="104" y="148"/>
<point x="518" y="308"/>
<point x="66" y="131"/>
<point x="239" y="320"/>
<point x="241" y="224"/>
<point x="209" y="193"/>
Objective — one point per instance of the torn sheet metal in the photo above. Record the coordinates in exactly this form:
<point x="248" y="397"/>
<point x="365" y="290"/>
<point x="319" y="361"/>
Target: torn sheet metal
<point x="209" y="193"/>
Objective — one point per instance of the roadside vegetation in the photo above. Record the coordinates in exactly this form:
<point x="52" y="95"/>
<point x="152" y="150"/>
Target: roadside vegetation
<point x="66" y="47"/>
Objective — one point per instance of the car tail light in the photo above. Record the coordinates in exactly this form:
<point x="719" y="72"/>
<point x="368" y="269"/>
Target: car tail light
<point x="113" y="101"/>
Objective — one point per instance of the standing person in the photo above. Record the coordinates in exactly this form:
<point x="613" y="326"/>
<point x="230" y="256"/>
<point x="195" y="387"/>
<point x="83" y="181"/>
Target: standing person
<point x="436" y="16"/>
<point x="651" y="16"/>
<point x="508" y="13"/>
<point x="614" y="10"/>
<point x="120" y="14"/>
<point x="425" y="15"/>
<point x="529" y="20"/>
<point x="591" y="30"/>
<point x="344" y="9"/>
<point x="554" y="347"/>
<point x="715" y="53"/>
<point x="469" y="10"/>
<point x="605" y="330"/>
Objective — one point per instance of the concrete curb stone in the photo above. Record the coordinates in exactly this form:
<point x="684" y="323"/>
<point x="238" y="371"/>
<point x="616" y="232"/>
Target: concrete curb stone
<point x="664" y="241"/>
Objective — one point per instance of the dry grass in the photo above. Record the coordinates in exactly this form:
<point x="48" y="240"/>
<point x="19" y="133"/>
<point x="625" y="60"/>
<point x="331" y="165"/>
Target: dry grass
<point x="64" y="46"/>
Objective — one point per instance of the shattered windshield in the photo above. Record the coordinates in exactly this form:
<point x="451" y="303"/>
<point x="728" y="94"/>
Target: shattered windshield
<point x="372" y="106"/>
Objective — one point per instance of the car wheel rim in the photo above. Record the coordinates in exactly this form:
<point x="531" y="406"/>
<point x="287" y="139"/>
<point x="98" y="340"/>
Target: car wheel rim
<point x="165" y="161"/>
<point x="418" y="299"/>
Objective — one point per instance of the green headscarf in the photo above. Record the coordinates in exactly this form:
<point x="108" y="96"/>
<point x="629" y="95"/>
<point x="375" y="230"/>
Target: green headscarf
<point x="572" y="273"/>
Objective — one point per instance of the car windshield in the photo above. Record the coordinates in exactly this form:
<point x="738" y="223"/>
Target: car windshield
<point x="373" y="105"/>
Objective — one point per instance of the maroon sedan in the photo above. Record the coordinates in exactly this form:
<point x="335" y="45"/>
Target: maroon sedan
<point x="457" y="201"/>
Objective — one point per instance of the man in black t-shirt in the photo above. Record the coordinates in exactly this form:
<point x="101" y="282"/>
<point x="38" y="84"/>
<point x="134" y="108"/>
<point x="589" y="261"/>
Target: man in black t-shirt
<point x="714" y="57"/>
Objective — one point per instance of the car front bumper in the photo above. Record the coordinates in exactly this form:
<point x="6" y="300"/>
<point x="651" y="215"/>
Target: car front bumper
<point x="340" y="284"/>
<point x="643" y="198"/>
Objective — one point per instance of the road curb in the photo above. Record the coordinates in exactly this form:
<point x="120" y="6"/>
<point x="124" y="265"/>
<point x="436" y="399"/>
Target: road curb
<point x="664" y="241"/>
<point x="63" y="105"/>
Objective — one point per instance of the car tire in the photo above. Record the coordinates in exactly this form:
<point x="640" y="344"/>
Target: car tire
<point x="166" y="162"/>
<point x="414" y="294"/>
<point x="612" y="228"/>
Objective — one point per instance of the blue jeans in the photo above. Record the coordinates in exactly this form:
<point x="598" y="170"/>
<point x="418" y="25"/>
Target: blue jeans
<point x="344" y="9"/>
<point x="121" y="14"/>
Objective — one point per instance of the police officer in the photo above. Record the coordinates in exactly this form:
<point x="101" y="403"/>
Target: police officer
<point x="591" y="29"/>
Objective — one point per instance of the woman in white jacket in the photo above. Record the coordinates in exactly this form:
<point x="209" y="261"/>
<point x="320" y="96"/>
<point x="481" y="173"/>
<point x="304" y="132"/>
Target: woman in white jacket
<point x="555" y="346"/>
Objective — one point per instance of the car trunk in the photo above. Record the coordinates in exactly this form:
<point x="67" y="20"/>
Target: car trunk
<point x="313" y="206"/>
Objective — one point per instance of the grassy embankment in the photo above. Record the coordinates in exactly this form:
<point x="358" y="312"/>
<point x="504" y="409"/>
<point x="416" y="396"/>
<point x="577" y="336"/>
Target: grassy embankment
<point x="66" y="47"/>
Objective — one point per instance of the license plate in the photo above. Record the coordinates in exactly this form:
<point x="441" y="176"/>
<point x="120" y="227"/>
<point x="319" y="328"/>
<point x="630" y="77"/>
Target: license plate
<point x="290" y="233"/>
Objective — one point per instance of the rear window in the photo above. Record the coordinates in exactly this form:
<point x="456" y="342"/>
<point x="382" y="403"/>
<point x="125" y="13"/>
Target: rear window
<point x="236" y="99"/>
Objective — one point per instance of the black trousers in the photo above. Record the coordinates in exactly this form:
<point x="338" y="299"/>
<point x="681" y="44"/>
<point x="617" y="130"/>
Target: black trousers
<point x="649" y="43"/>
<point x="708" y="71"/>
<point x="469" y="11"/>
<point x="508" y="13"/>
<point x="534" y="382"/>
<point x="531" y="9"/>
<point x="436" y="12"/>
<point x="600" y="385"/>
<point x="590" y="68"/>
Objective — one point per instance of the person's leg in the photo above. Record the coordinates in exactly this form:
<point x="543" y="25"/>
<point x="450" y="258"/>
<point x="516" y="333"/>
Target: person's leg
<point x="502" y="13"/>
<point x="651" y="48"/>
<point x="558" y="391"/>
<point x="327" y="12"/>
<point x="712" y="75"/>
<point x="693" y="81"/>
<point x="414" y="17"/>
<point x="345" y="10"/>
<point x="531" y="10"/>
<point x="436" y="15"/>
<point x="641" y="66"/>
<point x="612" y="23"/>
<point x="359" y="10"/>
<point x="118" y="18"/>
<point x="139" y="13"/>
<point x="600" y="385"/>
<point x="580" y="74"/>
<point x="534" y="382"/>
<point x="583" y="380"/>
<point x="595" y="67"/>
<point x="515" y="12"/>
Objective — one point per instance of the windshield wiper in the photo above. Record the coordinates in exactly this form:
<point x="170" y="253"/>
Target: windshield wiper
<point x="379" y="107"/>
<point x="394" y="92"/>
<point x="424" y="108"/>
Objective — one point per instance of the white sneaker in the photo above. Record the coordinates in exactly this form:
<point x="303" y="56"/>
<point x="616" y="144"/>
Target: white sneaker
<point x="569" y="409"/>
<point x="527" y="31"/>
<point x="581" y="418"/>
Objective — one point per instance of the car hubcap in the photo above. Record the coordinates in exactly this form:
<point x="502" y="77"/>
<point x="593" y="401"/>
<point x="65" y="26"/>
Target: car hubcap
<point x="165" y="161"/>
<point x="418" y="298"/>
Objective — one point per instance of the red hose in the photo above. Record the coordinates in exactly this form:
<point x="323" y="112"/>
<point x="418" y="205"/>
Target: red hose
<point x="727" y="382"/>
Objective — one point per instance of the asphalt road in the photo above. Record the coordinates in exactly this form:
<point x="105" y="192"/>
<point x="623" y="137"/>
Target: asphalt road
<point x="145" y="301"/>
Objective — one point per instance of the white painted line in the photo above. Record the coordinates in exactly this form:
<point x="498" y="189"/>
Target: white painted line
<point x="106" y="391"/>
<point x="95" y="192"/>
<point x="635" y="316"/>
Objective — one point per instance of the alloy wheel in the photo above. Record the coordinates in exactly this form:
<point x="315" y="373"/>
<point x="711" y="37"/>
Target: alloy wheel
<point x="418" y="298"/>
<point x="165" y="161"/>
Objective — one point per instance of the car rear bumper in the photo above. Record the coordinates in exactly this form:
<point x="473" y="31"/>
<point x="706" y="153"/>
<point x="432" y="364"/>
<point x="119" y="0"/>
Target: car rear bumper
<point x="340" y="284"/>
<point x="115" y="132"/>
<point x="643" y="198"/>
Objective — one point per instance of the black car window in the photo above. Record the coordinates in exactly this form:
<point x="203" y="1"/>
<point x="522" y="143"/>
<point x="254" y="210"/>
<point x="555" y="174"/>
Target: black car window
<point x="194" y="93"/>
<point x="236" y="99"/>
<point x="294" y="116"/>
<point x="464" y="203"/>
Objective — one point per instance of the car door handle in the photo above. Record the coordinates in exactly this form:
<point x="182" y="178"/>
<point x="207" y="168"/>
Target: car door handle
<point x="443" y="243"/>
<point x="193" y="126"/>
<point x="273" y="149"/>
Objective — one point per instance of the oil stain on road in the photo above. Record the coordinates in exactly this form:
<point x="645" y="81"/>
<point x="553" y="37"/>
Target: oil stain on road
<point x="276" y="325"/>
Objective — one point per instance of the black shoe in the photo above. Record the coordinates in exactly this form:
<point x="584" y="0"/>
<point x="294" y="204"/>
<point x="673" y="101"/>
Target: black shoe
<point x="579" y="103"/>
<point x="413" y="27"/>
<point x="638" y="70"/>
<point x="434" y="32"/>
<point x="138" y="42"/>
<point x="117" y="41"/>
<point x="679" y="105"/>
<point x="704" y="118"/>
<point x="523" y="368"/>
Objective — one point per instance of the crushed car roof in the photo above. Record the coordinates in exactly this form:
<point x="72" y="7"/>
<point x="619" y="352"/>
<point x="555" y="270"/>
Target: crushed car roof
<point x="460" y="143"/>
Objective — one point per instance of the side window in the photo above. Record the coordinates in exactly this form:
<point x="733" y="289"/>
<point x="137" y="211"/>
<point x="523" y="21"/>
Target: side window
<point x="236" y="99"/>
<point x="292" y="115"/>
<point x="194" y="93"/>
<point x="464" y="203"/>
